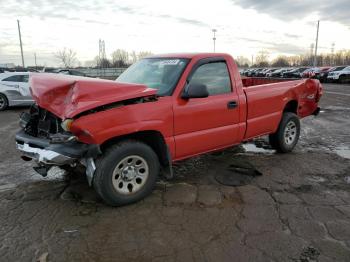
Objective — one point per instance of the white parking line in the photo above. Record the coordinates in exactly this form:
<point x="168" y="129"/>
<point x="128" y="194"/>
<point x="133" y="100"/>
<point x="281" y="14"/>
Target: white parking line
<point x="336" y="93"/>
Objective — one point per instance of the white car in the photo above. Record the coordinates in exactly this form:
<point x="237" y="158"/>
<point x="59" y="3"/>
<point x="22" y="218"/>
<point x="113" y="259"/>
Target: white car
<point x="341" y="76"/>
<point x="14" y="90"/>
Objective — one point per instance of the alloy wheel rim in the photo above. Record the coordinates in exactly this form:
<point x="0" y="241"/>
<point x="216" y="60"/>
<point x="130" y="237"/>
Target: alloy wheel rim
<point x="290" y="133"/>
<point x="130" y="175"/>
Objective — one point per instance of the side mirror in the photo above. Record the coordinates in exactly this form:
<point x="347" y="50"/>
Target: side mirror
<point x="195" y="91"/>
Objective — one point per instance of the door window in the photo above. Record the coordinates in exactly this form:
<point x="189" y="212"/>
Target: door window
<point x="215" y="76"/>
<point x="15" y="78"/>
<point x="25" y="78"/>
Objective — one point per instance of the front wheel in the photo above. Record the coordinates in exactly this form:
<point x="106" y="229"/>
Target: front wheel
<point x="126" y="173"/>
<point x="287" y="135"/>
<point x="3" y="102"/>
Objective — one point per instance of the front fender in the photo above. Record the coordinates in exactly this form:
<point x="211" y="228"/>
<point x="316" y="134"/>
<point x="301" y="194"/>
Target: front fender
<point x="96" y="128"/>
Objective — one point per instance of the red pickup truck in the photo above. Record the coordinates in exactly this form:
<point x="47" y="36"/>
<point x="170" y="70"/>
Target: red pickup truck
<point x="161" y="109"/>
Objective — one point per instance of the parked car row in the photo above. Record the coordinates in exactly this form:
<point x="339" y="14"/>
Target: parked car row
<point x="339" y="74"/>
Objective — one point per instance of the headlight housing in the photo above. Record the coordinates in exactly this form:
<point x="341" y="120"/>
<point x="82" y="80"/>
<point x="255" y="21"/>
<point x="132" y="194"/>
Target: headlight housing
<point x="67" y="124"/>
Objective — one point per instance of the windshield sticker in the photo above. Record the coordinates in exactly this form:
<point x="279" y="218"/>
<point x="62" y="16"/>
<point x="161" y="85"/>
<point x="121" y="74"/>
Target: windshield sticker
<point x="169" y="62"/>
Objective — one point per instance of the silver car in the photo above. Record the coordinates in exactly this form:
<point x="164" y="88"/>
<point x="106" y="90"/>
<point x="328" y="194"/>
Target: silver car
<point x="14" y="90"/>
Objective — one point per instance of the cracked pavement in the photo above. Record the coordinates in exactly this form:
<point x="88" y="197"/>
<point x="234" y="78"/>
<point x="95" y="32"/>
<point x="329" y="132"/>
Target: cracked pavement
<point x="297" y="210"/>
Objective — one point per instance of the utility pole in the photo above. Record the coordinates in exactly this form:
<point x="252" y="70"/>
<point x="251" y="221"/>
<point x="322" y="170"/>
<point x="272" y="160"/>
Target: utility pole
<point x="20" y="41"/>
<point x="252" y="60"/>
<point x="35" y="61"/>
<point x="214" y="37"/>
<point x="332" y="51"/>
<point x="315" y="57"/>
<point x="312" y="46"/>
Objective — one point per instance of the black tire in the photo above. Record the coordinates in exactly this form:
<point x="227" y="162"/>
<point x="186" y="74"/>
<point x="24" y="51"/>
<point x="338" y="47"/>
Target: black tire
<point x="106" y="165"/>
<point x="342" y="79"/>
<point x="3" y="102"/>
<point x="278" y="139"/>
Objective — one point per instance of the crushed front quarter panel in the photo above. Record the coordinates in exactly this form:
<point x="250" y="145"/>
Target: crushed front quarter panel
<point x="68" y="96"/>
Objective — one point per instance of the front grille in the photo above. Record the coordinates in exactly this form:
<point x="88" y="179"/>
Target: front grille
<point x="40" y="123"/>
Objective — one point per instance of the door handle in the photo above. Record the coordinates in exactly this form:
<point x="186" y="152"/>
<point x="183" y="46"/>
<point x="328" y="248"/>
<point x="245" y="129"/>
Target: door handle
<point x="232" y="104"/>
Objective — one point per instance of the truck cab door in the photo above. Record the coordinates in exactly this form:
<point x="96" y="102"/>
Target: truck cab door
<point x="208" y="123"/>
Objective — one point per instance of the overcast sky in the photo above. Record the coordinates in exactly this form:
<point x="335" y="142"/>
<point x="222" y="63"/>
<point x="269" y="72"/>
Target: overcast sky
<point x="161" y="26"/>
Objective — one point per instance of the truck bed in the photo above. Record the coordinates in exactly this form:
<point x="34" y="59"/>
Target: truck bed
<point x="254" y="81"/>
<point x="266" y="102"/>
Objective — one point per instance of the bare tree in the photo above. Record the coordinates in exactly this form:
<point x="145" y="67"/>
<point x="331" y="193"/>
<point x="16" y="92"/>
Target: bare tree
<point x="133" y="57"/>
<point x="242" y="61"/>
<point x="280" y="61"/>
<point x="262" y="58"/>
<point x="144" y="54"/>
<point x="120" y="58"/>
<point x="67" y="57"/>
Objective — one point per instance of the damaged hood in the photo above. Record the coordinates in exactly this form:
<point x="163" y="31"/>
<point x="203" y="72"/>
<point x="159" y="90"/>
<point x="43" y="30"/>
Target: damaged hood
<point x="66" y="96"/>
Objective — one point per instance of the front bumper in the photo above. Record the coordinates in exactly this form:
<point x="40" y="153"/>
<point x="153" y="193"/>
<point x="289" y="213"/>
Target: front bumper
<point x="44" y="156"/>
<point x="48" y="154"/>
<point x="45" y="152"/>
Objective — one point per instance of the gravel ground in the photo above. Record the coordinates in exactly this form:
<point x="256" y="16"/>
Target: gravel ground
<point x="297" y="210"/>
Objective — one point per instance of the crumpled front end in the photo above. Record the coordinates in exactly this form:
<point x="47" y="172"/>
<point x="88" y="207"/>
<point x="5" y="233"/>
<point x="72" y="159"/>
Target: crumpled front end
<point x="61" y="100"/>
<point x="68" y="96"/>
<point x="43" y="140"/>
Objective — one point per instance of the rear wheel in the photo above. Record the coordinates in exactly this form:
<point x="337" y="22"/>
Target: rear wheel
<point x="287" y="135"/>
<point x="126" y="173"/>
<point x="3" y="102"/>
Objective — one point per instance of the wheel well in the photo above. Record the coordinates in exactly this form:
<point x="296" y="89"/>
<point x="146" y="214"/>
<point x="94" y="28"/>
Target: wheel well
<point x="4" y="96"/>
<point x="291" y="106"/>
<point x="152" y="138"/>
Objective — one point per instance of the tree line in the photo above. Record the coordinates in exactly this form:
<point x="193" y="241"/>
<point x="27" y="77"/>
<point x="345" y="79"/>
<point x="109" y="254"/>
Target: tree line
<point x="119" y="58"/>
<point x="123" y="58"/>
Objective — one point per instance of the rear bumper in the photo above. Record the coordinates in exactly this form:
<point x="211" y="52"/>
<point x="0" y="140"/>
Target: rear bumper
<point x="45" y="152"/>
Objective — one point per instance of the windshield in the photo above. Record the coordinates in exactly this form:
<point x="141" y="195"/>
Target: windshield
<point x="337" y="68"/>
<point x="159" y="73"/>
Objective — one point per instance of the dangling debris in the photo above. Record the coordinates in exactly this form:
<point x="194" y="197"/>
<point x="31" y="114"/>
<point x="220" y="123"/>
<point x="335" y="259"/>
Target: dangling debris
<point x="239" y="173"/>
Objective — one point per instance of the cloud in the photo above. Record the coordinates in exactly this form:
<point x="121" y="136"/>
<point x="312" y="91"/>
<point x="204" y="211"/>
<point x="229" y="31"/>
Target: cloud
<point x="292" y="35"/>
<point x="70" y="10"/>
<point x="335" y="10"/>
<point x="286" y="48"/>
<point x="183" y="20"/>
<point x="275" y="47"/>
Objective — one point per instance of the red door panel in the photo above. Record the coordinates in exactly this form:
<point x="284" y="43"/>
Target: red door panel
<point x="204" y="124"/>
